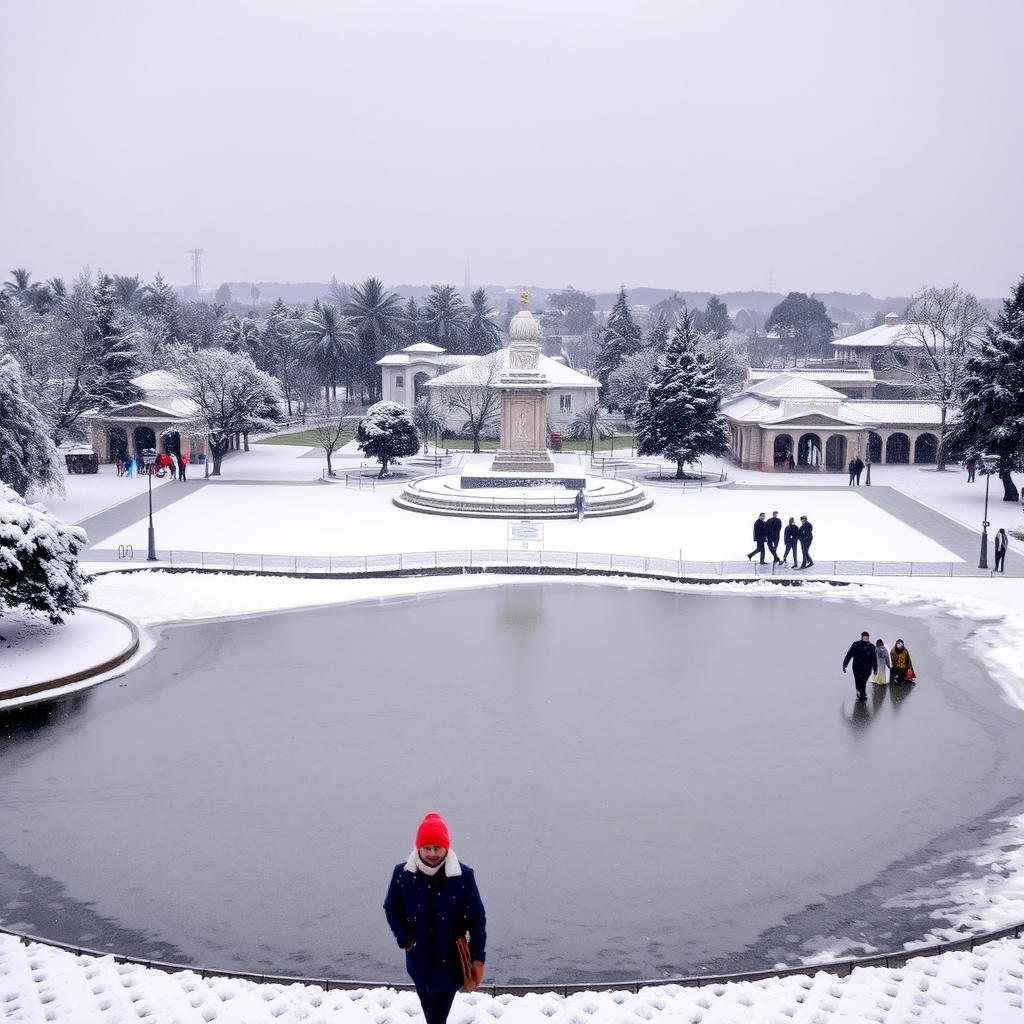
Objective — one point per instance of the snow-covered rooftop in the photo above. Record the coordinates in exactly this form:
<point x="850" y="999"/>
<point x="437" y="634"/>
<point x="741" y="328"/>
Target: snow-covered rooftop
<point x="791" y="386"/>
<point x="482" y="368"/>
<point x="786" y="396"/>
<point x="901" y="334"/>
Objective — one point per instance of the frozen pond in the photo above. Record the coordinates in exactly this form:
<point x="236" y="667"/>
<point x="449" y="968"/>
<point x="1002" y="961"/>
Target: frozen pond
<point x="647" y="783"/>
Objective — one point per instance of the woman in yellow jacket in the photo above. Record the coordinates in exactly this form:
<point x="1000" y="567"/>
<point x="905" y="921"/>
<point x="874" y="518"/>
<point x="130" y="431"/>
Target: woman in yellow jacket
<point x="901" y="664"/>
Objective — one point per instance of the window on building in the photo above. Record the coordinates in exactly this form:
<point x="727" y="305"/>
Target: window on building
<point x="399" y="380"/>
<point x="565" y="403"/>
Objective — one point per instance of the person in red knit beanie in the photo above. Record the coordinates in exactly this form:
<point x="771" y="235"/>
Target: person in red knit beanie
<point x="431" y="902"/>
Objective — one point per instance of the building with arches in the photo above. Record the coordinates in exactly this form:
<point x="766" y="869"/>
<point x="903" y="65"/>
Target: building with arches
<point x="404" y="374"/>
<point x="790" y="421"/>
<point x="158" y="419"/>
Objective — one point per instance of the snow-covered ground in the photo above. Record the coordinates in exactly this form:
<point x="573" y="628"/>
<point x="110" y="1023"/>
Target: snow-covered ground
<point x="88" y="493"/>
<point x="38" y="984"/>
<point x="265" y="516"/>
<point x="34" y="651"/>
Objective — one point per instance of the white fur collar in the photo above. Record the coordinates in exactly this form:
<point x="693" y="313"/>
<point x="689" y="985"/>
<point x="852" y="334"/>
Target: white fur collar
<point x="452" y="867"/>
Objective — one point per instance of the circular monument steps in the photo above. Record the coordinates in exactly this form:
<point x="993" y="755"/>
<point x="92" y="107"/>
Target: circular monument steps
<point x="445" y="495"/>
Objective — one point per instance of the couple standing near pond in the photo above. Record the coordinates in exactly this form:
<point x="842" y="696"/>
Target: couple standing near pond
<point x="872" y="658"/>
<point x="432" y="902"/>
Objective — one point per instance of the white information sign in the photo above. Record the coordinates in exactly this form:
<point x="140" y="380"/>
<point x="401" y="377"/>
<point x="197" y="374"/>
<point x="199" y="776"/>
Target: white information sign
<point x="525" y="531"/>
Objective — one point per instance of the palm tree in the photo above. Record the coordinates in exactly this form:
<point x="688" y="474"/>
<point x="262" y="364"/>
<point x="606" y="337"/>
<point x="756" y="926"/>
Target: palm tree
<point x="377" y="318"/>
<point x="445" y="318"/>
<point x="588" y="425"/>
<point x="482" y="334"/>
<point x="241" y="333"/>
<point x="328" y="340"/>
<point x="427" y="420"/>
<point x="19" y="283"/>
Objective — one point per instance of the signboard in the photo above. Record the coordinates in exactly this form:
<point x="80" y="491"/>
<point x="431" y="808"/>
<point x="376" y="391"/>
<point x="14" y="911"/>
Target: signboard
<point x="526" y="531"/>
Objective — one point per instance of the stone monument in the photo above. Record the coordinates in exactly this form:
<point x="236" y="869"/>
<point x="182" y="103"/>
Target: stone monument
<point x="522" y="442"/>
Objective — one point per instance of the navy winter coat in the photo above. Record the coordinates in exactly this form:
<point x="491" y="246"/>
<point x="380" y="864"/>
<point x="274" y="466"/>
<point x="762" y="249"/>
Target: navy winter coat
<point x="864" y="657"/>
<point x="433" y="911"/>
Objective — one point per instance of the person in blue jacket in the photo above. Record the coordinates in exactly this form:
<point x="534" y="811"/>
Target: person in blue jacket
<point x="432" y="901"/>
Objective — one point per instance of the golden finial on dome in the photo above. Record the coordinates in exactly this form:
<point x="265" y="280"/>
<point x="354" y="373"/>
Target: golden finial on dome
<point x="524" y="298"/>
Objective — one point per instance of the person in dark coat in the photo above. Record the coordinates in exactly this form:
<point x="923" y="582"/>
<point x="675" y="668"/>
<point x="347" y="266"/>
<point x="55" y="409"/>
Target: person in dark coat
<point x="432" y="901"/>
<point x="1002" y="541"/>
<point x="865" y="663"/>
<point x="760" y="536"/>
<point x="774" y="531"/>
<point x="792" y="539"/>
<point x="858" y="468"/>
<point x="806" y="536"/>
<point x="852" y="469"/>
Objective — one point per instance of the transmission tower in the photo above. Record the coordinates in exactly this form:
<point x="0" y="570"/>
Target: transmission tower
<point x="197" y="268"/>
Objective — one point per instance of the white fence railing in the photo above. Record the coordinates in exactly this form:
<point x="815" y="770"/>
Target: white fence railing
<point x="500" y="558"/>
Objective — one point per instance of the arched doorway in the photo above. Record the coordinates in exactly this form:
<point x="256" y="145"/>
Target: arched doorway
<point x="418" y="390"/>
<point x="782" y="449"/>
<point x="926" y="450"/>
<point x="809" y="452"/>
<point x="170" y="442"/>
<point x="874" y="447"/>
<point x="835" y="453"/>
<point x="144" y="438"/>
<point x="897" y="449"/>
<point x="117" y="444"/>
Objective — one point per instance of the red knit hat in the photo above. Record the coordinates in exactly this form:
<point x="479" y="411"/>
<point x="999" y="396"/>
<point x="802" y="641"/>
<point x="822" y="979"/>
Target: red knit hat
<point x="432" y="832"/>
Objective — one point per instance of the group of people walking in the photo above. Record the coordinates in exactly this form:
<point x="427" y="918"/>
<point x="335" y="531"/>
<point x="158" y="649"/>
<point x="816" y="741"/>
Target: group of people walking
<point x="856" y="467"/>
<point x="873" y="659"/>
<point x="768" y="533"/>
<point x="165" y="462"/>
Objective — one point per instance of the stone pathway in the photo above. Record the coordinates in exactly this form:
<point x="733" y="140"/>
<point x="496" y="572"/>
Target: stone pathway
<point x="113" y="520"/>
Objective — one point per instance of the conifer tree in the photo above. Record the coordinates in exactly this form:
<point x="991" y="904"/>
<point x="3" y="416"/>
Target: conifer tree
<point x="621" y="337"/>
<point x="680" y="417"/>
<point x="991" y="417"/>
<point x="113" y="355"/>
<point x="387" y="432"/>
<point x="28" y="457"/>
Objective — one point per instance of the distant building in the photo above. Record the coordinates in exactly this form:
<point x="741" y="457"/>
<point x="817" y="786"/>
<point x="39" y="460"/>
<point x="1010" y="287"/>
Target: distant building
<point x="792" y="416"/>
<point x="428" y="370"/>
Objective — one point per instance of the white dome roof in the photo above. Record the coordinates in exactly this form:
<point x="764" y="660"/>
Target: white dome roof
<point x="523" y="327"/>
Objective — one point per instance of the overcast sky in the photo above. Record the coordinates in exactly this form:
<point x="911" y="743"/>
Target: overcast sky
<point x="845" y="145"/>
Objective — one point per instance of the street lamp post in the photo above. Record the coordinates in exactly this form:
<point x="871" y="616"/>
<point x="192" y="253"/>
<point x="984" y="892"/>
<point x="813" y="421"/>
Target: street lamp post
<point x="988" y="466"/>
<point x="148" y="459"/>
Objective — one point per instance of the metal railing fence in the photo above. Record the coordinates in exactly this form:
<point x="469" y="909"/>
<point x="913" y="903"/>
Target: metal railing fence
<point x="502" y="558"/>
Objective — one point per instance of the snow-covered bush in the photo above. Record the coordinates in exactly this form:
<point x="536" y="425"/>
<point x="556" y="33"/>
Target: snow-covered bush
<point x="38" y="559"/>
<point x="387" y="432"/>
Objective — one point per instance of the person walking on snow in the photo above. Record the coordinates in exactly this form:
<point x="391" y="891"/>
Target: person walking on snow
<point x="858" y="468"/>
<point x="899" y="658"/>
<point x="884" y="663"/>
<point x="774" y="531"/>
<point x="183" y="466"/>
<point x="852" y="468"/>
<point x="865" y="661"/>
<point x="792" y="539"/>
<point x="581" y="504"/>
<point x="760" y="536"/>
<point x="1001" y="545"/>
<point x="970" y="465"/>
<point x="806" y="537"/>
<point x="432" y="901"/>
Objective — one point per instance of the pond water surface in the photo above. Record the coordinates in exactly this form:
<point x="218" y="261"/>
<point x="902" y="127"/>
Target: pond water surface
<point x="647" y="783"/>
